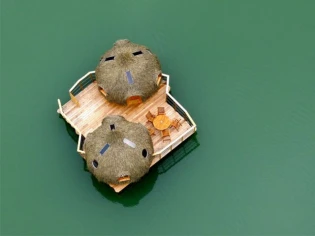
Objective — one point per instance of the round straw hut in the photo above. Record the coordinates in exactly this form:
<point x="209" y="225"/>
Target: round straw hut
<point x="128" y="73"/>
<point x="118" y="151"/>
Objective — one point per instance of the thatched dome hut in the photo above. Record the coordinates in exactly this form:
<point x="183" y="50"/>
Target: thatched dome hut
<point x="118" y="151"/>
<point x="128" y="71"/>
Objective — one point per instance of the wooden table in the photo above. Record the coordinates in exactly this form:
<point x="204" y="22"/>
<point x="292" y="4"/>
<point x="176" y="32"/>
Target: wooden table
<point x="161" y="122"/>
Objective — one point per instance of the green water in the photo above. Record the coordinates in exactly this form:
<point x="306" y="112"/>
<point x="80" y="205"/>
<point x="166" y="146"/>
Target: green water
<point x="243" y="69"/>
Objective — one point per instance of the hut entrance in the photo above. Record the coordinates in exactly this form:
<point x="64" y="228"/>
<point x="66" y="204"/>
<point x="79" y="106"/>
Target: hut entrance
<point x="158" y="80"/>
<point x="102" y="91"/>
<point x="134" y="100"/>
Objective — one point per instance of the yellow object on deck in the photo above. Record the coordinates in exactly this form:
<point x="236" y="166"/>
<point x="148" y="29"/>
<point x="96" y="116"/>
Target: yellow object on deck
<point x="73" y="99"/>
<point x="158" y="80"/>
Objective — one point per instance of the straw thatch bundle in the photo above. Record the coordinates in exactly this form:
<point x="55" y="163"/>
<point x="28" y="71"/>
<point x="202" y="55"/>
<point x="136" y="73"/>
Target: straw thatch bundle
<point x="126" y="70"/>
<point x="124" y="149"/>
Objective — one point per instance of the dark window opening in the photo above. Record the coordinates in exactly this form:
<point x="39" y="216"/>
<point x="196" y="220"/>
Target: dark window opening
<point x="137" y="53"/>
<point x="112" y="127"/>
<point x="109" y="58"/>
<point x="144" y="153"/>
<point x="82" y="142"/>
<point x="95" y="164"/>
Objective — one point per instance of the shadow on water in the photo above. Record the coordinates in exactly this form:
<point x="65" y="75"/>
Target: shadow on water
<point x="70" y="130"/>
<point x="132" y="194"/>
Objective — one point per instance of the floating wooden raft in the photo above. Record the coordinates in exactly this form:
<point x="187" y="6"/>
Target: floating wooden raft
<point x="86" y="110"/>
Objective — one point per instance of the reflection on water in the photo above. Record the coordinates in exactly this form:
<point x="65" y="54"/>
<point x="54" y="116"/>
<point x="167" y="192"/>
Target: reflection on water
<point x="132" y="194"/>
<point x="178" y="154"/>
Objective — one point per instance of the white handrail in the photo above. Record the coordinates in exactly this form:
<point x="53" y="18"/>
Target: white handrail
<point x="82" y="78"/>
<point x="75" y="128"/>
<point x="79" y="144"/>
<point x="175" y="101"/>
<point x="184" y="110"/>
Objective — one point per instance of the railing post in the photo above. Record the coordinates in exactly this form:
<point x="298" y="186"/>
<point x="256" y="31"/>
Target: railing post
<point x="73" y="99"/>
<point x="91" y="78"/>
<point x="158" y="81"/>
<point x="81" y="87"/>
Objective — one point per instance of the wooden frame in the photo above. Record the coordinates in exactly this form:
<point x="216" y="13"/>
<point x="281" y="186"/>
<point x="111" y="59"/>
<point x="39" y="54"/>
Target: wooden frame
<point x="150" y="117"/>
<point x="161" y="111"/>
<point x="176" y="124"/>
<point x="134" y="100"/>
<point x="158" y="80"/>
<point x="166" y="136"/>
<point x="124" y="179"/>
<point x="102" y="91"/>
<point x="151" y="131"/>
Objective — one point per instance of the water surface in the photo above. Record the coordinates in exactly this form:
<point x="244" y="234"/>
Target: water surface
<point x="243" y="69"/>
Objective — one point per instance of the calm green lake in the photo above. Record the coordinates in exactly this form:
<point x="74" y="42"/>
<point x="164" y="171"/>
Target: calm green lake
<point x="244" y="70"/>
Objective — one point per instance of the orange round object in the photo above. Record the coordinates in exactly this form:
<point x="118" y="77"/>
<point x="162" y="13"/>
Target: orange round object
<point x="161" y="122"/>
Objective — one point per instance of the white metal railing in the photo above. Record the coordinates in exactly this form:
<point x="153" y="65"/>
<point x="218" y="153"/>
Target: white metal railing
<point x="60" y="111"/>
<point x="80" y="85"/>
<point x="177" y="103"/>
<point x="189" y="132"/>
<point x="79" y="145"/>
<point x="81" y="79"/>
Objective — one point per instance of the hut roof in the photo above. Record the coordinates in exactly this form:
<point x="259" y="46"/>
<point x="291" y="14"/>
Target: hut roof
<point x="118" y="148"/>
<point x="126" y="70"/>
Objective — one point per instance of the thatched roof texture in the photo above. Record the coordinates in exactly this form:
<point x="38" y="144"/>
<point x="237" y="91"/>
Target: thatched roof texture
<point x="126" y="70"/>
<point x="118" y="151"/>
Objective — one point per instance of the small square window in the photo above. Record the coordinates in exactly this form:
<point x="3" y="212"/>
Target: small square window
<point x="112" y="127"/>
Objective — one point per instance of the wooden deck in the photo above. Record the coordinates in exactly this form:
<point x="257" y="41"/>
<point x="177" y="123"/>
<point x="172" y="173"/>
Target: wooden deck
<point x="94" y="108"/>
